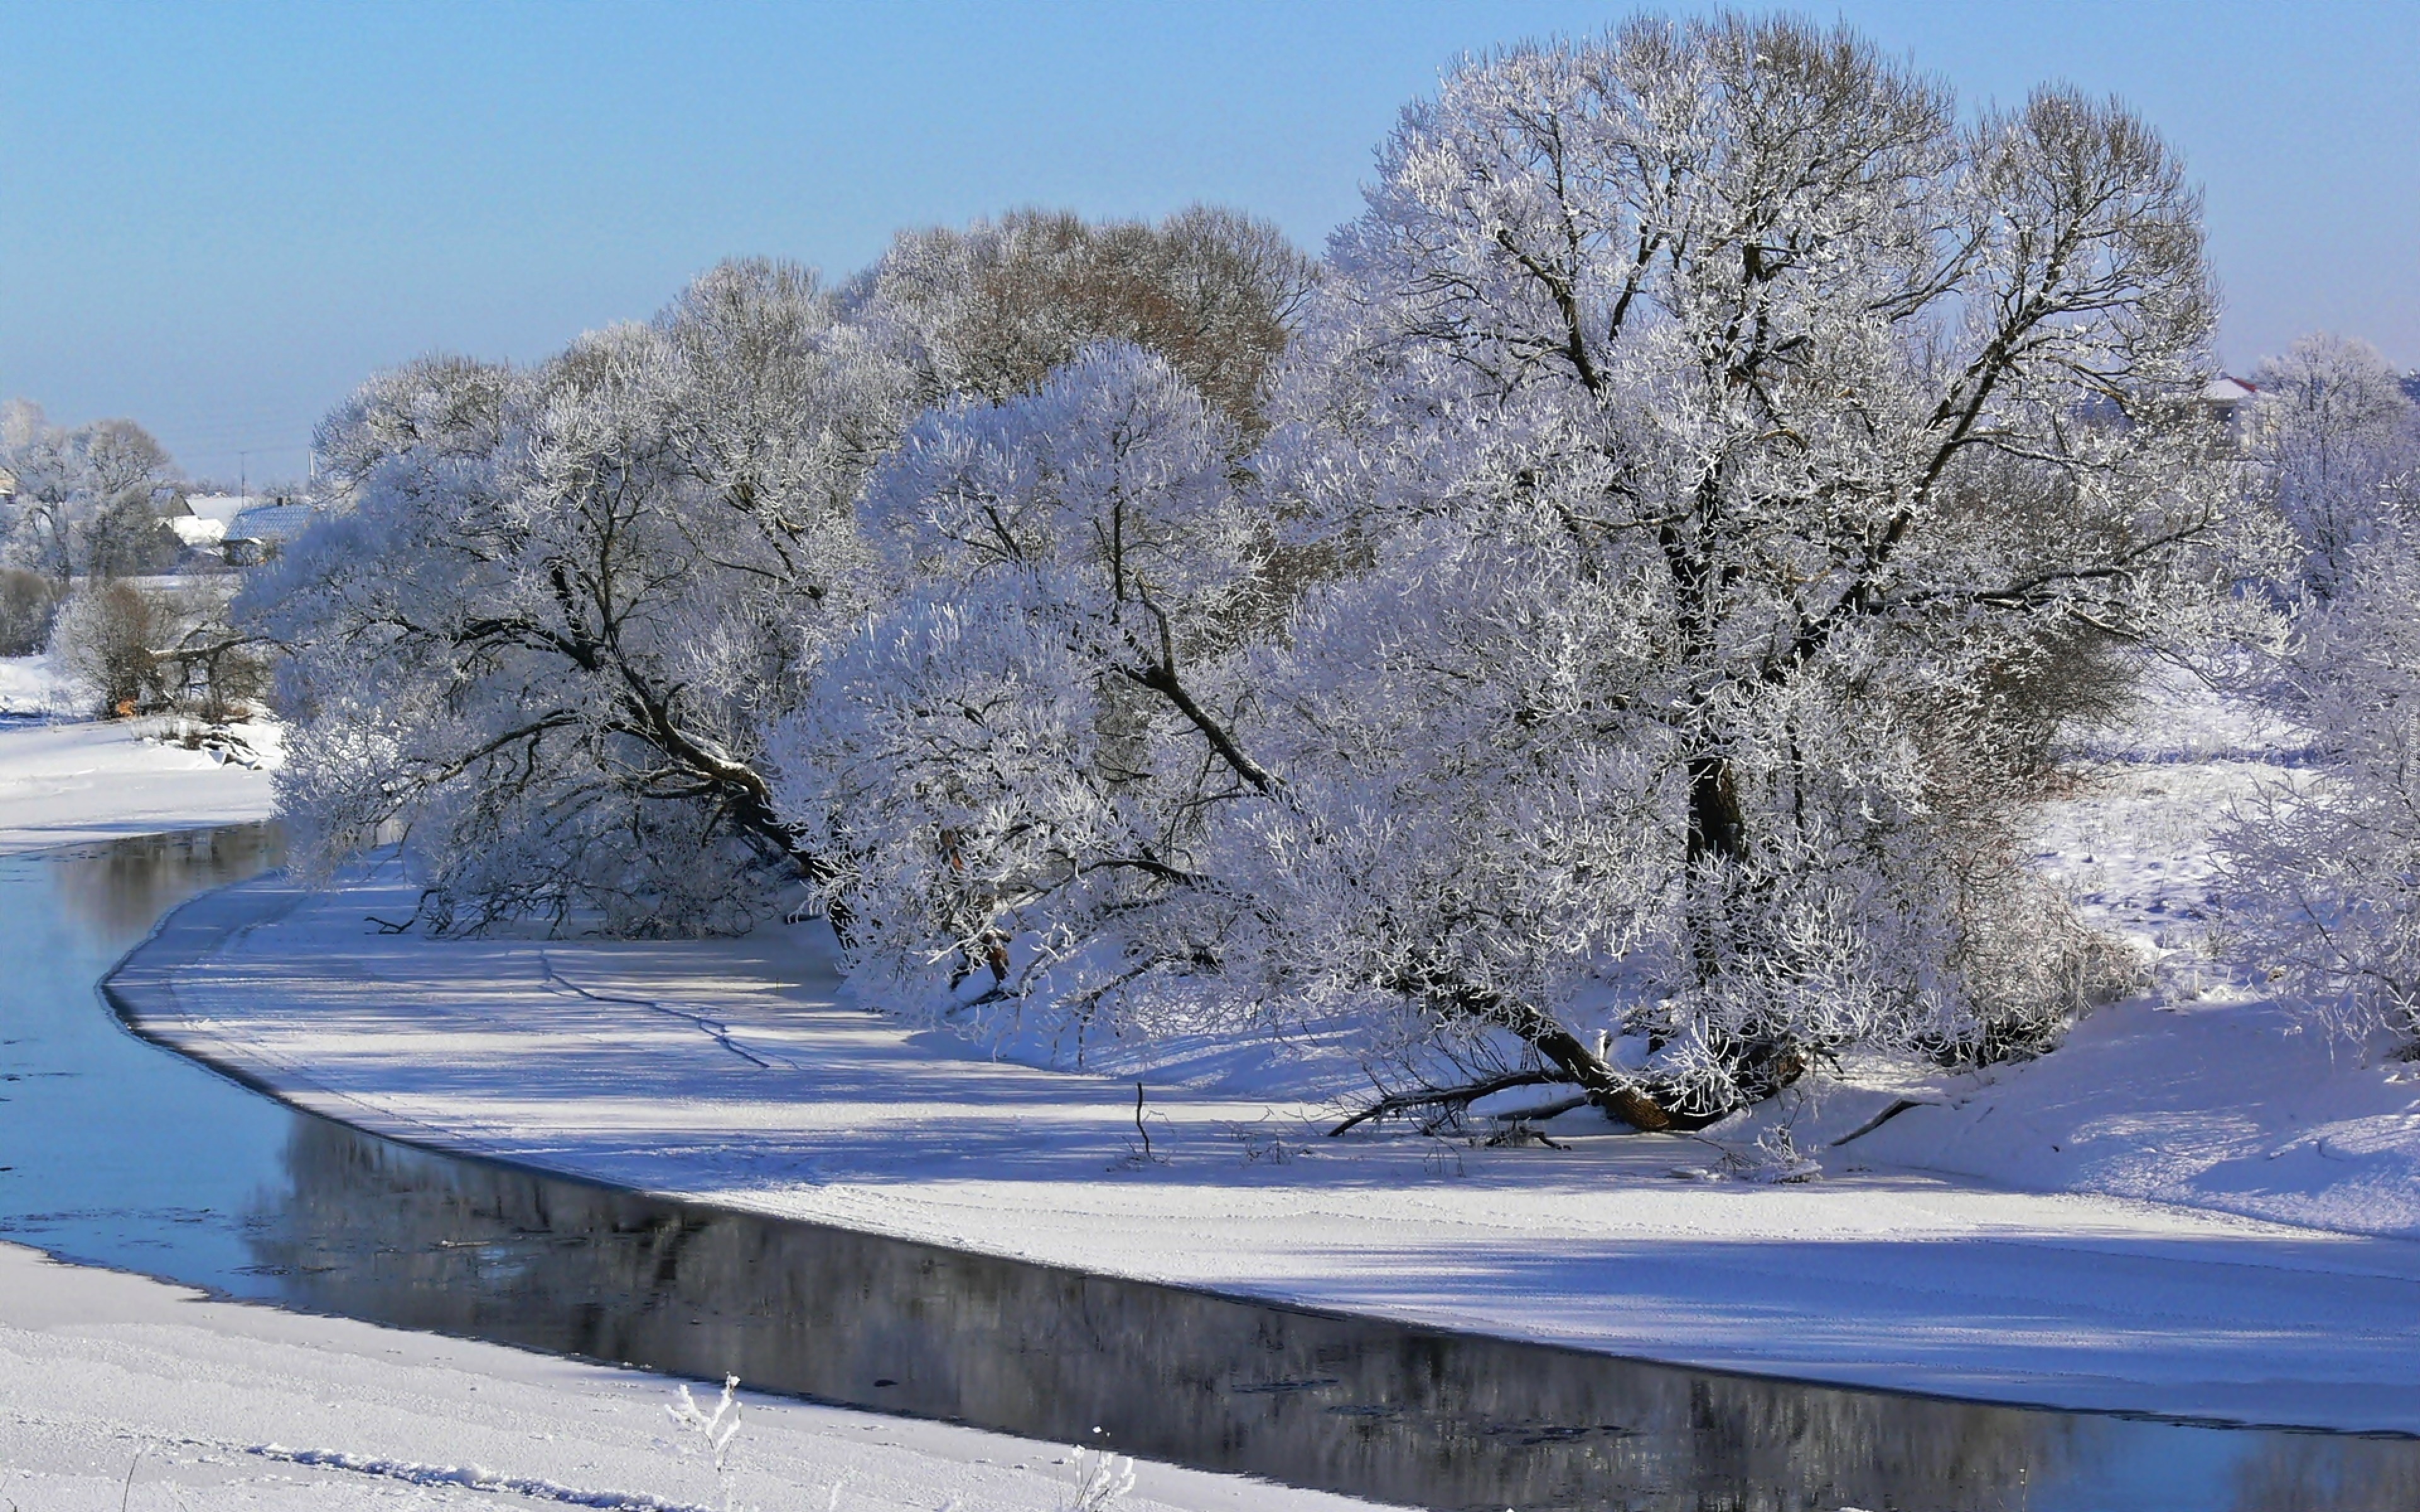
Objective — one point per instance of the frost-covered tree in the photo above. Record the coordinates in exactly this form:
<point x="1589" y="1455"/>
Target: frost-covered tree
<point x="2338" y="443"/>
<point x="1746" y="460"/>
<point x="2324" y="879"/>
<point x="83" y="497"/>
<point x="553" y="611"/>
<point x="2321" y="876"/>
<point x="1034" y="739"/>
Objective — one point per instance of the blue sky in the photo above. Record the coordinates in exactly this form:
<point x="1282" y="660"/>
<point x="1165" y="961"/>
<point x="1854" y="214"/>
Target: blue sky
<point x="218" y="218"/>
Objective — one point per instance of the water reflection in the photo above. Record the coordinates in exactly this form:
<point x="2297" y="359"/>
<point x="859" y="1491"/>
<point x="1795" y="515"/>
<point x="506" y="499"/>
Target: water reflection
<point x="372" y="1230"/>
<point x="119" y="889"/>
<point x="114" y="1150"/>
<point x="111" y="1150"/>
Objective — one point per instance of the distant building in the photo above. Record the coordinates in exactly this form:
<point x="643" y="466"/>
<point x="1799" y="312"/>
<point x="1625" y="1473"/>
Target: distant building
<point x="201" y="519"/>
<point x="260" y="532"/>
<point x="2225" y="393"/>
<point x="2228" y="398"/>
<point x="196" y="532"/>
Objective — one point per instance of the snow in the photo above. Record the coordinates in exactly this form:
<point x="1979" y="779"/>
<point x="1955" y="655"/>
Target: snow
<point x="236" y="1406"/>
<point x="2107" y="1226"/>
<point x="194" y="530"/>
<point x="2204" y="1091"/>
<point x="117" y="1390"/>
<point x="65" y="780"/>
<point x="34" y="687"/>
<point x="222" y="507"/>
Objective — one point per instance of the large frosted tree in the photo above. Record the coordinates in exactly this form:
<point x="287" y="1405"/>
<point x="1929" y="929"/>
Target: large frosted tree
<point x="1751" y="462"/>
<point x="1708" y="474"/>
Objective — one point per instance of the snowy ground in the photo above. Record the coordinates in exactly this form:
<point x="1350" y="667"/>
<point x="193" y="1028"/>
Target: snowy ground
<point x="116" y="1391"/>
<point x="63" y="780"/>
<point x="2204" y="1091"/>
<point x="2273" y="1279"/>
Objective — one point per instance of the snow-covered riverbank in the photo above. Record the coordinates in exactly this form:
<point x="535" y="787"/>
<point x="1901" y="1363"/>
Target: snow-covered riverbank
<point x="119" y="1391"/>
<point x="64" y="780"/>
<point x="727" y="1072"/>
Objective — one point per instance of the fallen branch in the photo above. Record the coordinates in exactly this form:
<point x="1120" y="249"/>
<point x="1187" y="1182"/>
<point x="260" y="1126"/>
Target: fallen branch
<point x="1543" y="1110"/>
<point x="1454" y="1097"/>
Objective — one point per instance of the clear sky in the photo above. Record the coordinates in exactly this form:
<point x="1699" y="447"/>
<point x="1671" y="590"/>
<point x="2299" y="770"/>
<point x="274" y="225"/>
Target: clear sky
<point x="218" y="218"/>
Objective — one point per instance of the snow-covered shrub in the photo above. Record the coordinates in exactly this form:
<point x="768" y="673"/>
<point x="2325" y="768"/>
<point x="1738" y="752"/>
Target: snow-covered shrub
<point x="107" y="637"/>
<point x="714" y="1431"/>
<point x="1098" y="1479"/>
<point x="2324" y="881"/>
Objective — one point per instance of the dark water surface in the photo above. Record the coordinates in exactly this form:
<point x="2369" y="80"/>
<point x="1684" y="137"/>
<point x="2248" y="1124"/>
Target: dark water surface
<point x="122" y="1153"/>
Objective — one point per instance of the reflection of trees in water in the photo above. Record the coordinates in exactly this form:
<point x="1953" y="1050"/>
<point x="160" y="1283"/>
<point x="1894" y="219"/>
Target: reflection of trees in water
<point x="402" y="1237"/>
<point x="119" y="888"/>
<point x="2314" y="1472"/>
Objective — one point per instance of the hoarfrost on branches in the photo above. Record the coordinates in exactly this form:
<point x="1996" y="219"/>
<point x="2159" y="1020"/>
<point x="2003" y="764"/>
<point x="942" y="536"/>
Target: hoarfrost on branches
<point x="2324" y="882"/>
<point x="81" y="503"/>
<point x="1033" y="740"/>
<point x="2339" y="446"/>
<point x="556" y="609"/>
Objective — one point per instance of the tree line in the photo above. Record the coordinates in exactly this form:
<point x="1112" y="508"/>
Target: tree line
<point x="1605" y="624"/>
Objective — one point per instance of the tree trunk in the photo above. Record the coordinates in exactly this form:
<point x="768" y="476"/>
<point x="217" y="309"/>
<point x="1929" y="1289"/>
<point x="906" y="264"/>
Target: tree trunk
<point x="1717" y="829"/>
<point x="1605" y="1087"/>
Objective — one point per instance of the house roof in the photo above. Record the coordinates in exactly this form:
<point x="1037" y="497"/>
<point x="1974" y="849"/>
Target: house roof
<point x="222" y="507"/>
<point x="270" y="522"/>
<point x="2226" y="389"/>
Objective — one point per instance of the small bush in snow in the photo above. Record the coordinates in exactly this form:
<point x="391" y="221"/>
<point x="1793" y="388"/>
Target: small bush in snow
<point x="715" y="1429"/>
<point x="107" y="637"/>
<point x="1099" y="1479"/>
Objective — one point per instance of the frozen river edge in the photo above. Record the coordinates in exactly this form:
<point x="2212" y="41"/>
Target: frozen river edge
<point x="727" y="1073"/>
<point x="114" y="1387"/>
